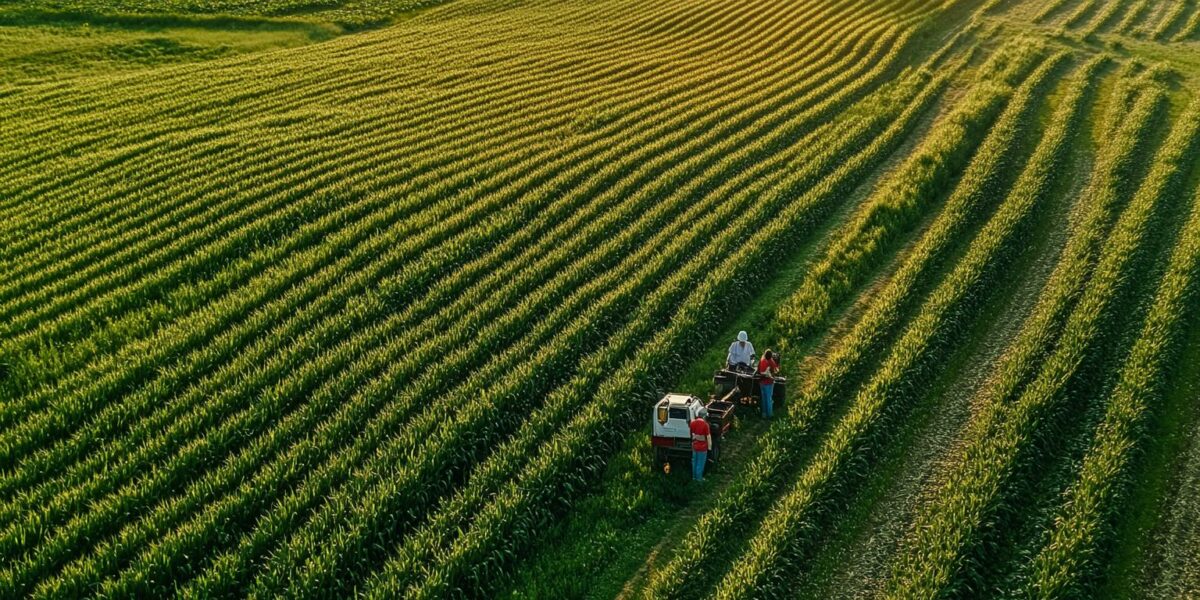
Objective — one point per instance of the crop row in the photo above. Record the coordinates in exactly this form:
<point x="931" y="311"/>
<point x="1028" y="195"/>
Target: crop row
<point x="951" y="525"/>
<point x="1105" y="16"/>
<point x="743" y="502"/>
<point x="1132" y="17"/>
<point x="1049" y="9"/>
<point x="1071" y="558"/>
<point x="1190" y="28"/>
<point x="853" y="445"/>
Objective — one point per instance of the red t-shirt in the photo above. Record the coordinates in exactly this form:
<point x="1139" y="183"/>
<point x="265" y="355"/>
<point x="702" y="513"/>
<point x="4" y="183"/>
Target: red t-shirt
<point x="700" y="428"/>
<point x="763" y="365"/>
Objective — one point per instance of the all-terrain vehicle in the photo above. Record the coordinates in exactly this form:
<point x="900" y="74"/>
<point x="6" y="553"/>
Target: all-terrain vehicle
<point x="671" y="436"/>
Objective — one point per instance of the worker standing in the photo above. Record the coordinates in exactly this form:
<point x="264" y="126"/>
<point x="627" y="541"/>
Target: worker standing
<point x="768" y="368"/>
<point x="701" y="441"/>
<point x="740" y="352"/>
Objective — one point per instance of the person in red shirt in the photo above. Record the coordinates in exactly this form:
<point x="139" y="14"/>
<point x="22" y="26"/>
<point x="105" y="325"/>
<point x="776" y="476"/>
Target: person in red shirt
<point x="768" y="369"/>
<point x="701" y="441"/>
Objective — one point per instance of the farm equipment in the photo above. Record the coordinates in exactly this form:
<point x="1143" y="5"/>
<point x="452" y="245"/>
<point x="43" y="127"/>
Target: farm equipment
<point x="740" y="384"/>
<point x="671" y="436"/>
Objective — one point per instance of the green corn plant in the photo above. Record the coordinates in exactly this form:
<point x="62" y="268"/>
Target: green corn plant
<point x="894" y="209"/>
<point x="429" y="300"/>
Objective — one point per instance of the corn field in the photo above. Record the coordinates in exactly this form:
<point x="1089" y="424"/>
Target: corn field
<point x="384" y="315"/>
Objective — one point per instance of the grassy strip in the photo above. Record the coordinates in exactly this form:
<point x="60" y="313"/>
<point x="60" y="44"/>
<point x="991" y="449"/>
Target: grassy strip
<point x="792" y="525"/>
<point x="1072" y="558"/>
<point x="949" y="533"/>
<point x="689" y="572"/>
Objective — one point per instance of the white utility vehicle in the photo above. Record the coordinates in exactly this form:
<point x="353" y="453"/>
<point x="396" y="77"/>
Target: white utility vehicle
<point x="672" y="438"/>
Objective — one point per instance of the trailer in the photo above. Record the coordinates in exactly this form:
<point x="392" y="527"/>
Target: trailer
<point x="671" y="436"/>
<point x="740" y="384"/>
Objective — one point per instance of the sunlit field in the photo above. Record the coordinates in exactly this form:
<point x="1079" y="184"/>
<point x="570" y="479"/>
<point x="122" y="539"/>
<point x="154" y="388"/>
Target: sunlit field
<point x="376" y="298"/>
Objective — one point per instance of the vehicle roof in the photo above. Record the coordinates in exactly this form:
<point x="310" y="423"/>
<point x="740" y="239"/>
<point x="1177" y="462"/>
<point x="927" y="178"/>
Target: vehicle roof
<point x="677" y="399"/>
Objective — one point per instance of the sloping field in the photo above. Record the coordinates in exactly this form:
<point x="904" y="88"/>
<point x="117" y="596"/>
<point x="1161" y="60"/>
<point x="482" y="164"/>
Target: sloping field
<point x="385" y="315"/>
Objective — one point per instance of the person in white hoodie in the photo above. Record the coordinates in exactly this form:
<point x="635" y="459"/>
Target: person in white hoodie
<point x="740" y="352"/>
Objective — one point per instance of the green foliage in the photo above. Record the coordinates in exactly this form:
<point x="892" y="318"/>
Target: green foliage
<point x="939" y="558"/>
<point x="851" y="447"/>
<point x="1072" y="557"/>
<point x="367" y="317"/>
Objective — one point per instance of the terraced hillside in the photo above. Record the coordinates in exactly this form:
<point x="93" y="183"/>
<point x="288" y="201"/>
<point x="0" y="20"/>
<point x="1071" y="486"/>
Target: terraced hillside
<point x="383" y="314"/>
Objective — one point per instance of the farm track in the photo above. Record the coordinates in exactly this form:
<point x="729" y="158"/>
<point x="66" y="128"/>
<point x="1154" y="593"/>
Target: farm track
<point x="371" y="317"/>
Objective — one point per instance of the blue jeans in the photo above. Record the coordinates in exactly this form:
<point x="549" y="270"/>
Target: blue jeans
<point x="767" y="404"/>
<point x="698" y="459"/>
